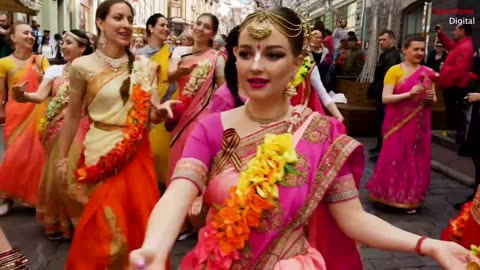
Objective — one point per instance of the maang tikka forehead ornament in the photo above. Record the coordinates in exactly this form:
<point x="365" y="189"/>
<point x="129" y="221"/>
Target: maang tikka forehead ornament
<point x="265" y="18"/>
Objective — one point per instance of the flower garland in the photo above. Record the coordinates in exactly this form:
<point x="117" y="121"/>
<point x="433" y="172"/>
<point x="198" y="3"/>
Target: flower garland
<point x="197" y="78"/>
<point x="257" y="191"/>
<point x="303" y="71"/>
<point x="454" y="231"/>
<point x="133" y="132"/>
<point x="55" y="106"/>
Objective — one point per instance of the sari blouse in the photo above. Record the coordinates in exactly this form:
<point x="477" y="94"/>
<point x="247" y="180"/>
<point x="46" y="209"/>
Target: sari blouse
<point x="330" y="165"/>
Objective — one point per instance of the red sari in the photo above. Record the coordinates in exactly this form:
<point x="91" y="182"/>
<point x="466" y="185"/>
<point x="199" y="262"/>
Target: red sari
<point x="307" y="96"/>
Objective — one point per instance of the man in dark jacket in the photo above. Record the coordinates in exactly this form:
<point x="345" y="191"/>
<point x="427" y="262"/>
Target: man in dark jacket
<point x="454" y="78"/>
<point x="389" y="57"/>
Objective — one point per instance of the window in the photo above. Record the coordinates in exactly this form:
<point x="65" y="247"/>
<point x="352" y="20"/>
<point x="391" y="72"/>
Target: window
<point x="349" y="13"/>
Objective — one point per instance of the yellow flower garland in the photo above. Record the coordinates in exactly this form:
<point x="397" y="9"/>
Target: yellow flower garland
<point x="303" y="71"/>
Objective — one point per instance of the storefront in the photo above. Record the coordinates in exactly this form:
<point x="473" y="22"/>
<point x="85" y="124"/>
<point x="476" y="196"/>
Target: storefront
<point x="28" y="7"/>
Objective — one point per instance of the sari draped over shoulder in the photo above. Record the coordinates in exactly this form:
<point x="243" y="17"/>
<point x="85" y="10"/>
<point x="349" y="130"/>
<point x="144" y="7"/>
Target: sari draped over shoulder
<point x="307" y="96"/>
<point x="21" y="168"/>
<point x="159" y="136"/>
<point x="330" y="165"/>
<point x="402" y="174"/>
<point x="117" y="207"/>
<point x="190" y="116"/>
<point x="54" y="209"/>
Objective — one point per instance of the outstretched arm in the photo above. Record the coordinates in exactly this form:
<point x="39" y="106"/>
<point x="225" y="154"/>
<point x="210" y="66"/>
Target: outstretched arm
<point x="375" y="232"/>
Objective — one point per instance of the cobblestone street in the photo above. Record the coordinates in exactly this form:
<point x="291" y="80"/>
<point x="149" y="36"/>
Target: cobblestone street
<point x="24" y="233"/>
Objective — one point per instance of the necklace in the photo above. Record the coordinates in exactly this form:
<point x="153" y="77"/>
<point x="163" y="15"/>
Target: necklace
<point x="264" y="122"/>
<point x="21" y="59"/>
<point x="114" y="63"/>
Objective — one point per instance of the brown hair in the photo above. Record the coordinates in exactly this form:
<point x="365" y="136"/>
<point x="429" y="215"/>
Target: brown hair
<point x="291" y="26"/>
<point x="102" y="11"/>
<point x="413" y="38"/>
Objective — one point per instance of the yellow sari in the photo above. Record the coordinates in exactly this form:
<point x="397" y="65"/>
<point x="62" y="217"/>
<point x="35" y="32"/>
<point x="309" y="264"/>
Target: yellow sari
<point x="159" y="137"/>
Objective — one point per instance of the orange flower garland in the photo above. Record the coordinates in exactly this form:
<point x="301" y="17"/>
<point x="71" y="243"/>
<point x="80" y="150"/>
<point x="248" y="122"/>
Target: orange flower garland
<point x="256" y="192"/>
<point x="111" y="163"/>
<point x="454" y="231"/>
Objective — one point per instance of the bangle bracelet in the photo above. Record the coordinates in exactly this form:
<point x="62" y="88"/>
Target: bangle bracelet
<point x="418" y="247"/>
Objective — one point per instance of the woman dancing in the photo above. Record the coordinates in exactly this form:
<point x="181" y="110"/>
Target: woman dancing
<point x="53" y="209"/>
<point x="266" y="168"/>
<point x="120" y="94"/>
<point x="21" y="168"/>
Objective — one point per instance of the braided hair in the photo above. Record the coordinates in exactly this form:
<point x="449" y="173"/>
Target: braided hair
<point x="231" y="78"/>
<point x="102" y="11"/>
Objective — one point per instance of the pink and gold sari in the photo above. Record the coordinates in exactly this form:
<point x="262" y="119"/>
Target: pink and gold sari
<point x="21" y="168"/>
<point x="330" y="165"/>
<point x="402" y="173"/>
<point x="188" y="118"/>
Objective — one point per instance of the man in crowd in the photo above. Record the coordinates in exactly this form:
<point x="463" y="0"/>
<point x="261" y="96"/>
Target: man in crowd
<point x="454" y="78"/>
<point x="390" y="56"/>
<point x="6" y="46"/>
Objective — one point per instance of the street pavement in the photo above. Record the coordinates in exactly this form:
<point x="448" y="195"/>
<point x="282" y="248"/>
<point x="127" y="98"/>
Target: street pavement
<point x="23" y="232"/>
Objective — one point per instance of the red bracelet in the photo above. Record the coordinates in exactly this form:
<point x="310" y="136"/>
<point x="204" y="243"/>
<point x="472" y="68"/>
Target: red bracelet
<point x="418" y="248"/>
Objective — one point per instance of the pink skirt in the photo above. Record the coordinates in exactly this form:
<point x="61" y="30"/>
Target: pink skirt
<point x="313" y="260"/>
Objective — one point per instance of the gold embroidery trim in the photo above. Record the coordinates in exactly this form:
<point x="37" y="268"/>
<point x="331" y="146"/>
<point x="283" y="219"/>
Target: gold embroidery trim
<point x="343" y="188"/>
<point x="118" y="246"/>
<point x="193" y="170"/>
<point x="330" y="164"/>
<point x="403" y="122"/>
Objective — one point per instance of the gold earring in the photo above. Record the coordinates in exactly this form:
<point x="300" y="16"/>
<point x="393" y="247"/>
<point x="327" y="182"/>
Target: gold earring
<point x="102" y="41"/>
<point x="291" y="90"/>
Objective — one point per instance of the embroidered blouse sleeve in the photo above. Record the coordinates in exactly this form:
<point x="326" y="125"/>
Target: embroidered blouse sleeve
<point x="196" y="157"/>
<point x="343" y="187"/>
<point x="78" y="83"/>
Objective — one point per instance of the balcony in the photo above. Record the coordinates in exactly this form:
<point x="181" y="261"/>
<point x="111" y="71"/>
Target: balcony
<point x="29" y="7"/>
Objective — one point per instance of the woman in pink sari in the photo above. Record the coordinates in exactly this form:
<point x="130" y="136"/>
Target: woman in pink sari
<point x="402" y="173"/>
<point x="197" y="70"/>
<point x="259" y="217"/>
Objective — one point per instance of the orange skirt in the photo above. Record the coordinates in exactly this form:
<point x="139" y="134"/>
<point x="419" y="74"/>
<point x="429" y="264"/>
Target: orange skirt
<point x="22" y="165"/>
<point x="115" y="218"/>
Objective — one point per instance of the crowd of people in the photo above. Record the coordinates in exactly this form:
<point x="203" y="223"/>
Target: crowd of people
<point x="233" y="130"/>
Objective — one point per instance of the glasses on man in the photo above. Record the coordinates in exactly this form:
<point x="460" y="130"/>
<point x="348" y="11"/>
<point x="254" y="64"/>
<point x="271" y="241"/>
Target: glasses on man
<point x="439" y="46"/>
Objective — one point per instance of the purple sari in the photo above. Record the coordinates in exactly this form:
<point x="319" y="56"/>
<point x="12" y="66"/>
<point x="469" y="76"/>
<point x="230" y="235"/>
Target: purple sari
<point x="330" y="165"/>
<point x="402" y="173"/>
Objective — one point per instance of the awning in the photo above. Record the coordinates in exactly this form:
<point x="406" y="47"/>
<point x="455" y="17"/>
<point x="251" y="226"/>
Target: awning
<point x="29" y="7"/>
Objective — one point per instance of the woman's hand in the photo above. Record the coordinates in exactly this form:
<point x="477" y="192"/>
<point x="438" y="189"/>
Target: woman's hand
<point x="196" y="207"/>
<point x="18" y="92"/>
<point x="62" y="168"/>
<point x="160" y="111"/>
<point x="417" y="89"/>
<point x="145" y="259"/>
<point x="450" y="255"/>
<point x="472" y="97"/>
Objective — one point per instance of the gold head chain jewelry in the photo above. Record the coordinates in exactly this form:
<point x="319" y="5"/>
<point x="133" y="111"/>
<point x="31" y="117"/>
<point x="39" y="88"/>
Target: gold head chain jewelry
<point x="265" y="18"/>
